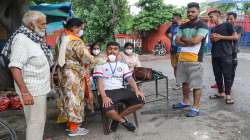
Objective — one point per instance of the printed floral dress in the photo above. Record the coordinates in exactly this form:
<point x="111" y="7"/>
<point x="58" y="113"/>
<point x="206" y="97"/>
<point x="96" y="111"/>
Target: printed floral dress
<point x="73" y="82"/>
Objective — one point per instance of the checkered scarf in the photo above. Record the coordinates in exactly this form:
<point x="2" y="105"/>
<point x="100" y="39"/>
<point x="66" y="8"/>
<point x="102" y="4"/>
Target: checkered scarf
<point x="34" y="37"/>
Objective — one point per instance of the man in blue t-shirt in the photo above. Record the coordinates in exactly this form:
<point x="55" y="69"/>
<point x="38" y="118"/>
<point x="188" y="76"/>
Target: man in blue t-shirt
<point x="174" y="50"/>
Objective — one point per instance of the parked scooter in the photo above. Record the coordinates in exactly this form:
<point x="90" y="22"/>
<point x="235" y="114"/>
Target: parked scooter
<point x="160" y="49"/>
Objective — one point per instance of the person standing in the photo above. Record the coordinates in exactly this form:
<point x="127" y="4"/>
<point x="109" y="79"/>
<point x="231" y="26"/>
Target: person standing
<point x="174" y="50"/>
<point x="30" y="62"/>
<point x="191" y="37"/>
<point x="222" y="38"/>
<point x="72" y="56"/>
<point x="231" y="18"/>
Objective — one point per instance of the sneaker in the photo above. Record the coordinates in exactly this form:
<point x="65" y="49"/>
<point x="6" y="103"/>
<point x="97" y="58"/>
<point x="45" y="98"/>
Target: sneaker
<point x="114" y="125"/>
<point x="193" y="113"/>
<point x="177" y="87"/>
<point x="79" y="132"/>
<point x="128" y="125"/>
<point x="80" y="128"/>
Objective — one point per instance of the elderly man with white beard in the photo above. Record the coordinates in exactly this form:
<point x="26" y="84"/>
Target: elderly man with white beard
<point x="30" y="62"/>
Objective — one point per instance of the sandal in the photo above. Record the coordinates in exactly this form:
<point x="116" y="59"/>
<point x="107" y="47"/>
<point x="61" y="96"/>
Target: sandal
<point x="216" y="96"/>
<point x="193" y="113"/>
<point x="229" y="101"/>
<point x="180" y="106"/>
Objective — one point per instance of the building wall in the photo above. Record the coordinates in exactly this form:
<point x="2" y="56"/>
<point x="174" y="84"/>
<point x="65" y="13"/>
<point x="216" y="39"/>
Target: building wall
<point x="149" y="42"/>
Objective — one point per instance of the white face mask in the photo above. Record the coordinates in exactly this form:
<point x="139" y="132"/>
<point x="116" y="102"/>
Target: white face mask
<point x="80" y="33"/>
<point x="112" y="58"/>
<point x="39" y="32"/>
<point x="96" y="52"/>
<point x="129" y="51"/>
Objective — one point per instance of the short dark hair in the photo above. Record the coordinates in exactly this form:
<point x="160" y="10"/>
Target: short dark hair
<point x="233" y="14"/>
<point x="128" y="44"/>
<point x="72" y="22"/>
<point x="193" y="5"/>
<point x="113" y="43"/>
<point x="176" y="14"/>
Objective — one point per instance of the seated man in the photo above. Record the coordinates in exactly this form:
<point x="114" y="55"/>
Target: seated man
<point x="110" y="77"/>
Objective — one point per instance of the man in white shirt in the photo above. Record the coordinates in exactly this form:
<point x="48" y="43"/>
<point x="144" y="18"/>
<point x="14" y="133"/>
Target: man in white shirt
<point x="110" y="78"/>
<point x="29" y="65"/>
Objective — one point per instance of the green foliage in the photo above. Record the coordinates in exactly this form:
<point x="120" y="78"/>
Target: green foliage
<point x="223" y="7"/>
<point x="153" y="14"/>
<point x="102" y="17"/>
<point x="182" y="10"/>
<point x="125" y="24"/>
<point x="246" y="8"/>
<point x="227" y="7"/>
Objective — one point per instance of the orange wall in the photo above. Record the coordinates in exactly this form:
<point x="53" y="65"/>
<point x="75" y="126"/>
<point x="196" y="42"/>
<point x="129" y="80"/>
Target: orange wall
<point x="149" y="42"/>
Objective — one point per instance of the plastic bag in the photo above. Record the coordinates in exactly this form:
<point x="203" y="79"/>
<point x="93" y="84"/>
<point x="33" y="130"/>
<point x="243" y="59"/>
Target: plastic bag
<point x="15" y="103"/>
<point x="4" y="103"/>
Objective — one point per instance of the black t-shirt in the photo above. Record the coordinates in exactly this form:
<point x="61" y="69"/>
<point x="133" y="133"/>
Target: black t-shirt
<point x="223" y="48"/>
<point x="239" y="30"/>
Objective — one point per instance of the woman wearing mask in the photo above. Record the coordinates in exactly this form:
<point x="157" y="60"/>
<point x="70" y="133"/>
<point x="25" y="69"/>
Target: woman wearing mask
<point x="72" y="55"/>
<point x="96" y="52"/>
<point x="129" y="57"/>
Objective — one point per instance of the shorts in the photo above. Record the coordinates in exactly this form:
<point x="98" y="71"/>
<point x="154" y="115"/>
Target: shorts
<point x="124" y="96"/>
<point x="191" y="73"/>
<point x="174" y="59"/>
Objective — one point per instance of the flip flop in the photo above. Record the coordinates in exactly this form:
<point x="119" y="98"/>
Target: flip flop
<point x="180" y="106"/>
<point x="216" y="96"/>
<point x="193" y="113"/>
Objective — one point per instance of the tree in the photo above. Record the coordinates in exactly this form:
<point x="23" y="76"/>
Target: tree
<point x="153" y="13"/>
<point x="246" y="8"/>
<point x="125" y="24"/>
<point x="102" y="17"/>
<point x="223" y="7"/>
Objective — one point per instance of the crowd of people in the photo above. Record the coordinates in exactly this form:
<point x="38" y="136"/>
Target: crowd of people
<point x="81" y="69"/>
<point x="84" y="68"/>
<point x="187" y="48"/>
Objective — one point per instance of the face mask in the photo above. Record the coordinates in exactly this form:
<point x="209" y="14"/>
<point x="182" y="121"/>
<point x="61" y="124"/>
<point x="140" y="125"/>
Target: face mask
<point x="80" y="33"/>
<point x="129" y="51"/>
<point x="112" y="58"/>
<point x="96" y="52"/>
<point x="39" y="32"/>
